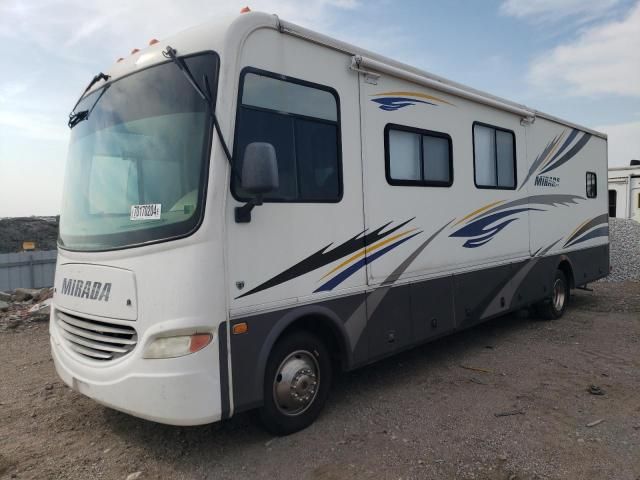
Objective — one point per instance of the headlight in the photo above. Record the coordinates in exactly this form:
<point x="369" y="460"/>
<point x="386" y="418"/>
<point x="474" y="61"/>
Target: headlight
<point x="171" y="347"/>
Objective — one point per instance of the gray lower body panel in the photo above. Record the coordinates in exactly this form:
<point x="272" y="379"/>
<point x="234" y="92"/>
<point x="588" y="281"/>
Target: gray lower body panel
<point x="389" y="319"/>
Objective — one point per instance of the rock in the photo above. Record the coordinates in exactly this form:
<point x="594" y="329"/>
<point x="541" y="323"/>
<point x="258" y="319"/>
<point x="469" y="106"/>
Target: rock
<point x="5" y="297"/>
<point x="134" y="476"/>
<point x="25" y="294"/>
<point x="4" y="306"/>
<point x="624" y="250"/>
<point x="595" y="390"/>
<point x="40" y="311"/>
<point x="45" y="294"/>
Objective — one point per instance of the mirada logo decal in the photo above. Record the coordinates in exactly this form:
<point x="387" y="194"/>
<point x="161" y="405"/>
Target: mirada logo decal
<point x="86" y="289"/>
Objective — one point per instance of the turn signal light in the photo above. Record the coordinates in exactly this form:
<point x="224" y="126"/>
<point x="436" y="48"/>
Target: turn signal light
<point x="240" y="328"/>
<point x="245" y="10"/>
<point x="199" y="341"/>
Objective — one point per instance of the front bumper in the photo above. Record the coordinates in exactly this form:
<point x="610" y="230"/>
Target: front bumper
<point x="175" y="391"/>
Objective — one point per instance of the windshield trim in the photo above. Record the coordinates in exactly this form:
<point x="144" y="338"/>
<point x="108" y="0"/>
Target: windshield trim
<point x="205" y="169"/>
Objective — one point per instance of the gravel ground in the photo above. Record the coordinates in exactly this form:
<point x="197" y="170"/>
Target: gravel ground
<point x="624" y="237"/>
<point x="506" y="400"/>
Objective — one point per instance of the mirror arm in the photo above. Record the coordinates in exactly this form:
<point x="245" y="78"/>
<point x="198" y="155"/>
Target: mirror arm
<point x="243" y="213"/>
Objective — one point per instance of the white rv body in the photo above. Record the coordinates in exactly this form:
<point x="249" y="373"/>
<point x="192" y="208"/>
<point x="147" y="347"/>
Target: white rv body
<point x="379" y="268"/>
<point x="624" y="192"/>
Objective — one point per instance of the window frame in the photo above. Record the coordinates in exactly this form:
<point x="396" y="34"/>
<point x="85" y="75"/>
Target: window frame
<point x="515" y="157"/>
<point x="595" y="184"/>
<point x="235" y="175"/>
<point x="422" y="132"/>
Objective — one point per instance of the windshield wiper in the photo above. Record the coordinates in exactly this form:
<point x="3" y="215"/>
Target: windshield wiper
<point x="77" y="117"/>
<point x="205" y="94"/>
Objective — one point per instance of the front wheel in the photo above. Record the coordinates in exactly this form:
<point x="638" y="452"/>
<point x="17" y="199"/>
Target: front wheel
<point x="296" y="383"/>
<point x="555" y="306"/>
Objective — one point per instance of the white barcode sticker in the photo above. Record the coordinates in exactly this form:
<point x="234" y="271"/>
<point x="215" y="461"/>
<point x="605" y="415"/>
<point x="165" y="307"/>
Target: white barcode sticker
<point x="151" y="211"/>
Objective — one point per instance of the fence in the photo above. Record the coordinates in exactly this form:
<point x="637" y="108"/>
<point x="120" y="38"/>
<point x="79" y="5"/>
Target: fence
<point x="27" y="269"/>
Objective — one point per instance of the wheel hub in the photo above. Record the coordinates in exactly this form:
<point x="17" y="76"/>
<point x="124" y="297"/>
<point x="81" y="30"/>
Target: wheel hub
<point x="296" y="383"/>
<point x="559" y="295"/>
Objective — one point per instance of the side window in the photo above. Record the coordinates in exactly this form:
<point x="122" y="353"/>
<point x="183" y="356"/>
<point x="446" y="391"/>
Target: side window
<point x="613" y="200"/>
<point x="300" y="120"/>
<point x="592" y="186"/>
<point x="494" y="157"/>
<point x="418" y="157"/>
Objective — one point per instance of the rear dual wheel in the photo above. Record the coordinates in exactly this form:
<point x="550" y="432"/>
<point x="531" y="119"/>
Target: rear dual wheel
<point x="556" y="304"/>
<point x="296" y="383"/>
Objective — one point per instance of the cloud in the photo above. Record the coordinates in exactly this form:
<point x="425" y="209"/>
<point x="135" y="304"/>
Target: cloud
<point x="624" y="142"/>
<point x="604" y="59"/>
<point x="34" y="126"/>
<point x="554" y="10"/>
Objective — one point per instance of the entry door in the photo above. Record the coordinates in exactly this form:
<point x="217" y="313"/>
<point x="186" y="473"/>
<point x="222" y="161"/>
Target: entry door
<point x="295" y="247"/>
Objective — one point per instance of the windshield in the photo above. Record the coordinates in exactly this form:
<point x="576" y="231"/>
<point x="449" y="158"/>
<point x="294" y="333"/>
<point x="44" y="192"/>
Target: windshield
<point x="136" y="169"/>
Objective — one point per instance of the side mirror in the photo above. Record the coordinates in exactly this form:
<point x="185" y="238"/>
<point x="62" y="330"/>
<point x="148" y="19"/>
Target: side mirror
<point x="259" y="169"/>
<point x="259" y="176"/>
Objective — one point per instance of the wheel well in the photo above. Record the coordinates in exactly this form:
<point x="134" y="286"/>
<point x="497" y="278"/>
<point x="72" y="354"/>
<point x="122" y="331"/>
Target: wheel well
<point x="565" y="267"/>
<point x="326" y="331"/>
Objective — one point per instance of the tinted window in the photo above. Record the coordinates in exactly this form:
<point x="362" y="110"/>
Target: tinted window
<point x="285" y="96"/>
<point x="418" y="157"/>
<point x="494" y="157"/>
<point x="592" y="187"/>
<point x="613" y="197"/>
<point x="300" y="121"/>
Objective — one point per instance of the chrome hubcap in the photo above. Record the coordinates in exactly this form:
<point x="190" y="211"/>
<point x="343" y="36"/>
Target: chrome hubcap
<point x="559" y="295"/>
<point x="296" y="383"/>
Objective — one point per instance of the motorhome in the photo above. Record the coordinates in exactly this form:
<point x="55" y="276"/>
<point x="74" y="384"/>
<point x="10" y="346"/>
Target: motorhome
<point x="251" y="205"/>
<point x="624" y="191"/>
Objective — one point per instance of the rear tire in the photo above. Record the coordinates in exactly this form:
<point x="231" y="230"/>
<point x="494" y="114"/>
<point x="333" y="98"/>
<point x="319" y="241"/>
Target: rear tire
<point x="554" y="306"/>
<point x="297" y="381"/>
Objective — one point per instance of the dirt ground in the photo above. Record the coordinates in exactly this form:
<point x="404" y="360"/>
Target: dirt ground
<point x="506" y="400"/>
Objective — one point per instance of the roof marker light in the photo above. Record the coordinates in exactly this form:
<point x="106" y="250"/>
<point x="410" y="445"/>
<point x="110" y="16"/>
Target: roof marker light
<point x="135" y="50"/>
<point x="245" y="10"/>
<point x="119" y="60"/>
<point x="153" y="41"/>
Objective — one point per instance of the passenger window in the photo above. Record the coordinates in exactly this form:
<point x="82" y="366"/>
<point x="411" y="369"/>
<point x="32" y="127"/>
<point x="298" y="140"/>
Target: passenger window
<point x="592" y="186"/>
<point x="301" y="121"/>
<point x="494" y="157"/>
<point x="418" y="157"/>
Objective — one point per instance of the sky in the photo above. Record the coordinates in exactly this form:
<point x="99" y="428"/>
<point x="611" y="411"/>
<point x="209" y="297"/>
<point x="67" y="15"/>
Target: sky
<point x="575" y="59"/>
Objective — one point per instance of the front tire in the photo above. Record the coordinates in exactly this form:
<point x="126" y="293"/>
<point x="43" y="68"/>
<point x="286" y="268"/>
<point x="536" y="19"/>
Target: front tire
<point x="554" y="307"/>
<point x="296" y="383"/>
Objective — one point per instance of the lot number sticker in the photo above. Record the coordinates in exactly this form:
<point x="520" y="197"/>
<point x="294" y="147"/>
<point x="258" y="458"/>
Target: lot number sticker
<point x="151" y="211"/>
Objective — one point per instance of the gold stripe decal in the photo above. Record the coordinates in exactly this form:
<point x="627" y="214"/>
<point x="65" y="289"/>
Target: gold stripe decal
<point x="480" y="210"/>
<point x="368" y="249"/>
<point x="412" y="94"/>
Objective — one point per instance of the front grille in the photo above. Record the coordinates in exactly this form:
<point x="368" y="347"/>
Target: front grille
<point x="94" y="339"/>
